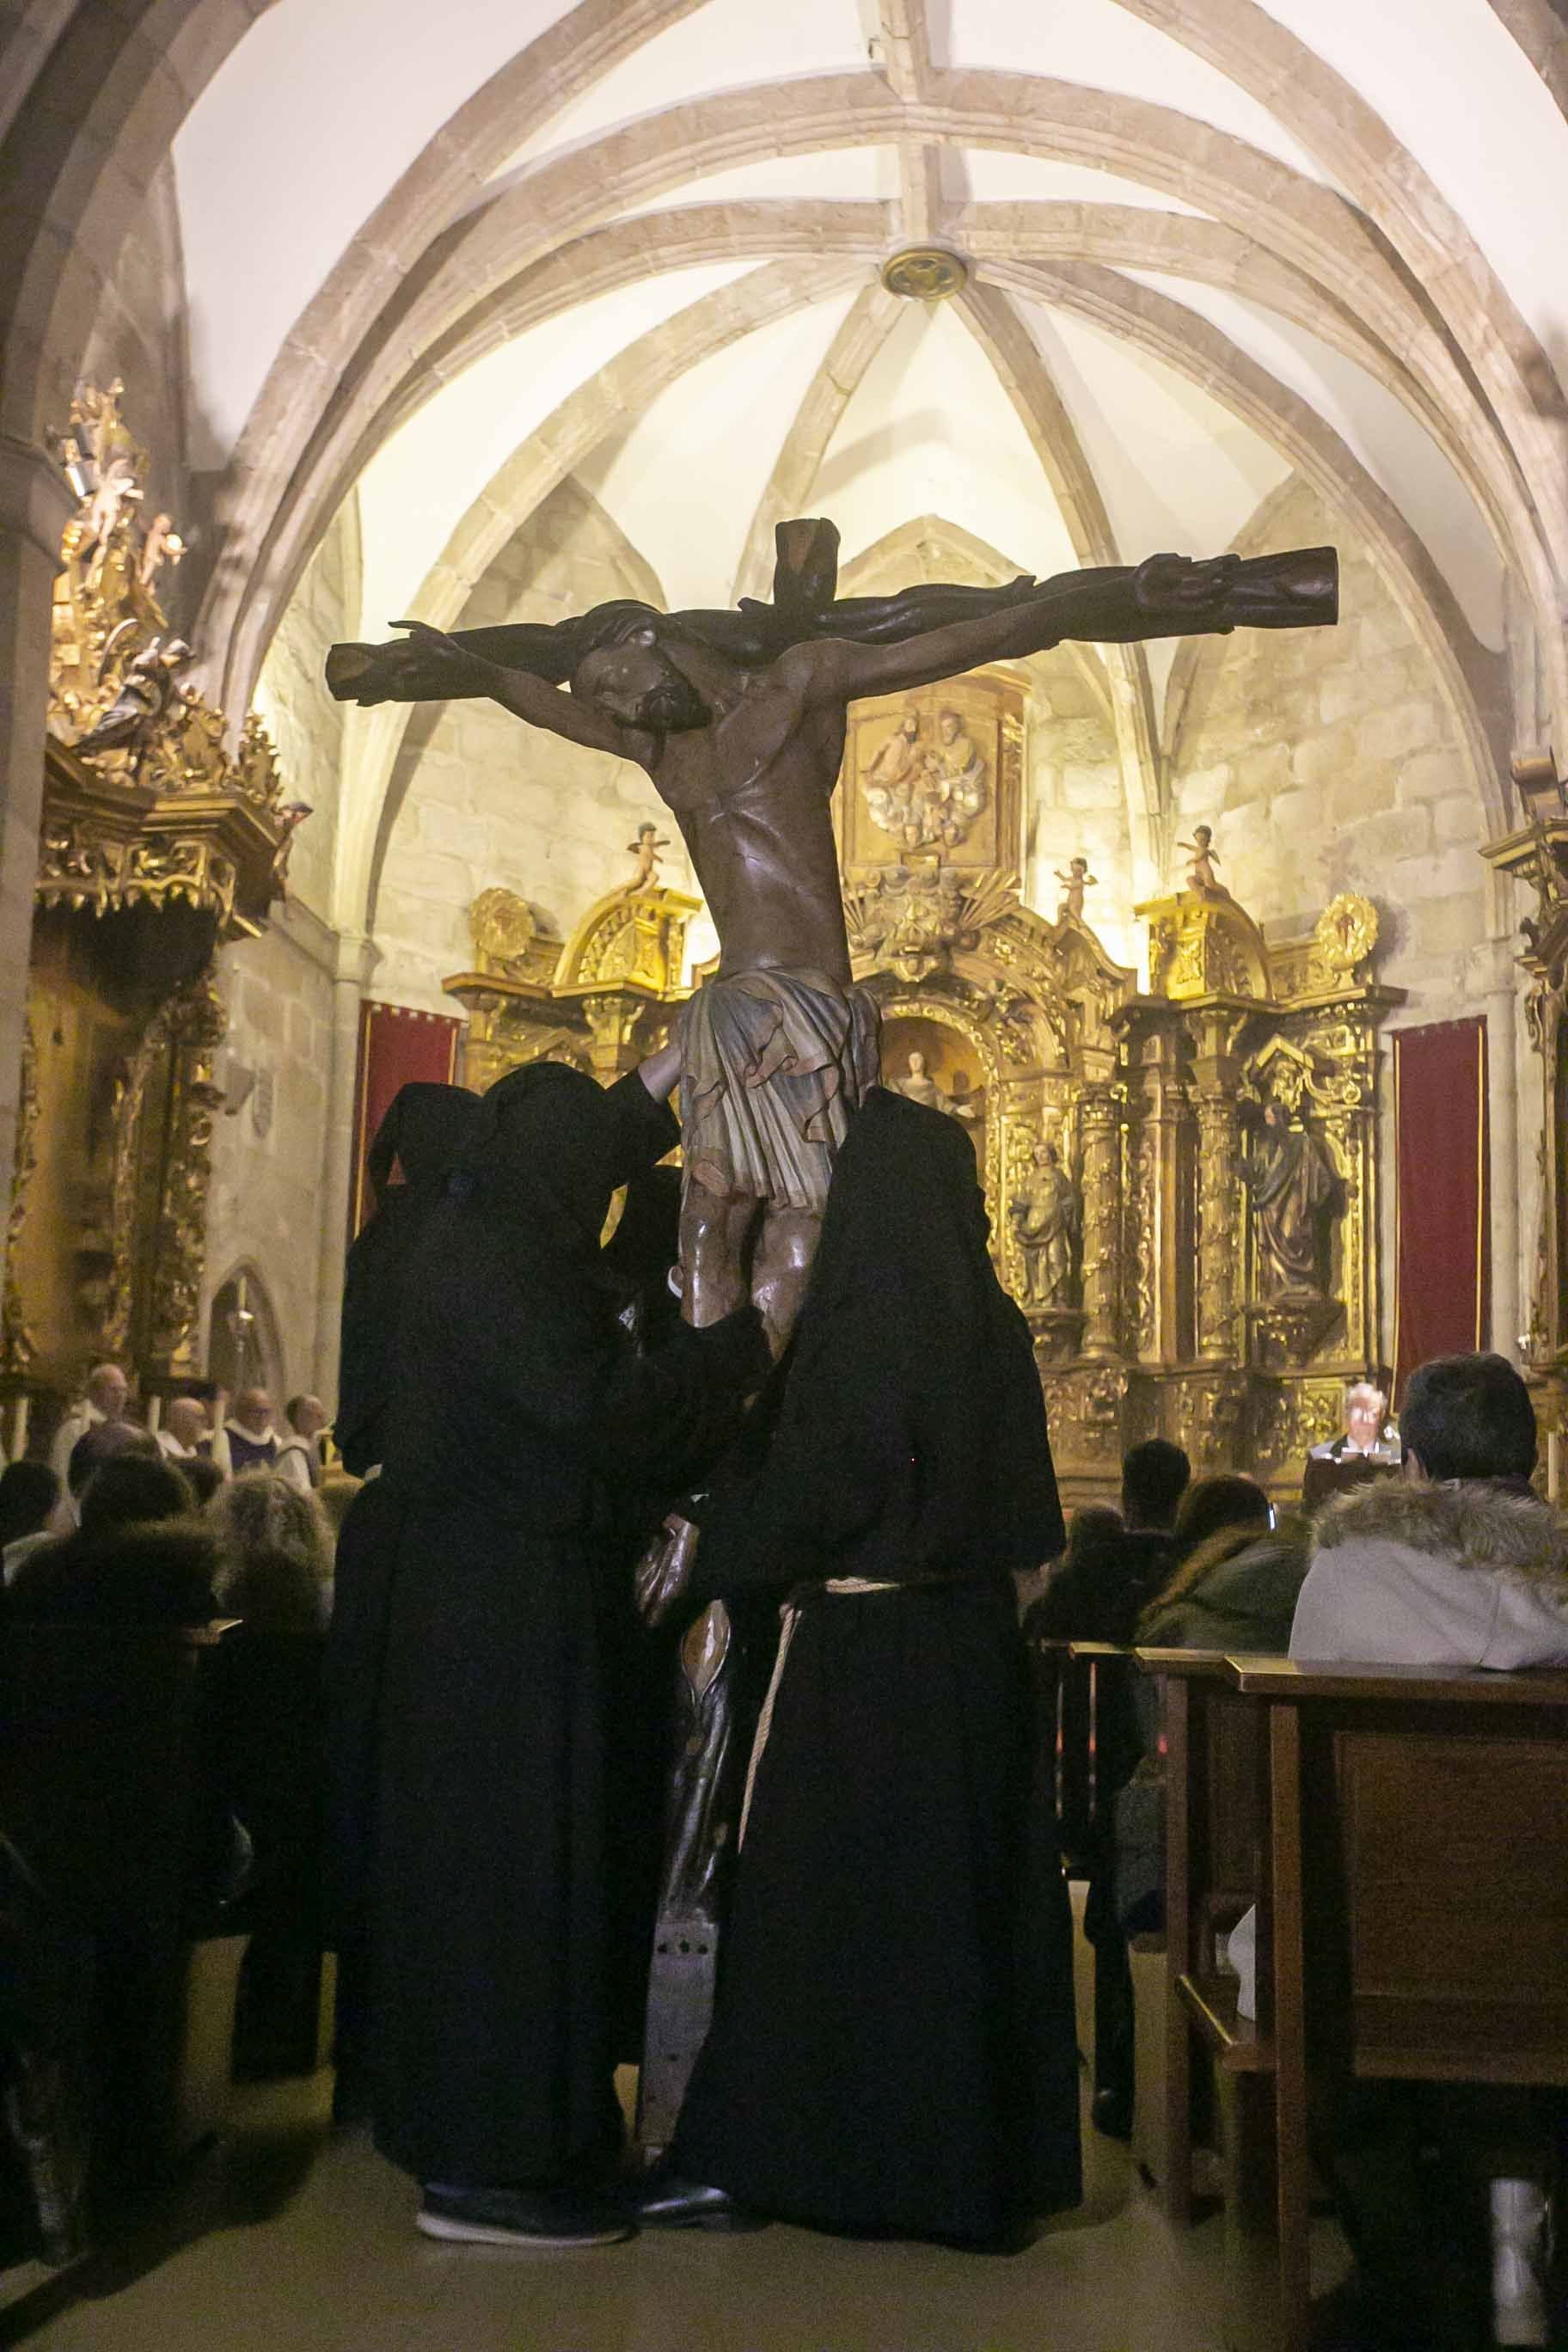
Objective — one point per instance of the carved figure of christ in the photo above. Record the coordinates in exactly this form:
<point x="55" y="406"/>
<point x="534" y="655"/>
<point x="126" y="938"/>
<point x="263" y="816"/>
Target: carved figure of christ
<point x="746" y="759"/>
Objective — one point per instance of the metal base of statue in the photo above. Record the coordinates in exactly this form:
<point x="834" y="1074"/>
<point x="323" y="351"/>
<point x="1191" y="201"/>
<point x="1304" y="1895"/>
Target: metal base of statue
<point x="717" y="1704"/>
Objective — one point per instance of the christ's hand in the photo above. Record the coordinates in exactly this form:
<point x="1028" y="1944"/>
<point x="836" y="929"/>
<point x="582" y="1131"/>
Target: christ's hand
<point x="664" y="1571"/>
<point x="1180" y="585"/>
<point x="438" y="659"/>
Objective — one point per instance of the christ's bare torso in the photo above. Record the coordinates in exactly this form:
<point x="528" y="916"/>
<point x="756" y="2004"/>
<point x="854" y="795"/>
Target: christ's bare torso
<point x="752" y="793"/>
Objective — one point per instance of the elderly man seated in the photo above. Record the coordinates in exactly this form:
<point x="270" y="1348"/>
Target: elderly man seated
<point x="1358" y="1454"/>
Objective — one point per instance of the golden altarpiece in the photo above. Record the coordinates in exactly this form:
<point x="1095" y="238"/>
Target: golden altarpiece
<point x="1182" y="1182"/>
<point x="157" y="845"/>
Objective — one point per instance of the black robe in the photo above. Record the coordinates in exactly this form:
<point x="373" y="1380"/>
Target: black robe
<point x="424" y="1129"/>
<point x="518" y="1395"/>
<point x="893" y="2045"/>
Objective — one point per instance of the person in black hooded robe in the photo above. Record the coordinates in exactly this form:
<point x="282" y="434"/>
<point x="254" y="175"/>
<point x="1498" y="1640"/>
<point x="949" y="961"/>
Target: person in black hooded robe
<point x="517" y="1397"/>
<point x="893" y="2046"/>
<point x="422" y="1132"/>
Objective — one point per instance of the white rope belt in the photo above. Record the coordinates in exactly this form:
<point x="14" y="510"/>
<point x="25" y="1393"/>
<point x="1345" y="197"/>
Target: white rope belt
<point x="789" y="1617"/>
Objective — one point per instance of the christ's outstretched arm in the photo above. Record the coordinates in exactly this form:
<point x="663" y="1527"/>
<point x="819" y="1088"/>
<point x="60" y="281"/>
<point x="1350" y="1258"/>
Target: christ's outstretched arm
<point x="1164" y="596"/>
<point x="463" y="673"/>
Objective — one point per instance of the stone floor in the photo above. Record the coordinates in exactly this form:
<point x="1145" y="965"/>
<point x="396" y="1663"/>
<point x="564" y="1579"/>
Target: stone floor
<point x="288" y="2236"/>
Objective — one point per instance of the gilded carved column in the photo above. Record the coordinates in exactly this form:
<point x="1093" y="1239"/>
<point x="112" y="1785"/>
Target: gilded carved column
<point x="612" y="1017"/>
<point x="1160" y="1216"/>
<point x="1219" y="1206"/>
<point x="1099" y="1132"/>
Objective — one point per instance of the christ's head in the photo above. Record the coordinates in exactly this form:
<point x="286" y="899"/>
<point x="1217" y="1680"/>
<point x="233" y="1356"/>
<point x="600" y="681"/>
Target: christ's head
<point x="635" y="682"/>
<point x="949" y="722"/>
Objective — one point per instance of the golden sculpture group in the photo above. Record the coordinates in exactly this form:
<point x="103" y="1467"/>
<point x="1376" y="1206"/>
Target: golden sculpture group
<point x="157" y="844"/>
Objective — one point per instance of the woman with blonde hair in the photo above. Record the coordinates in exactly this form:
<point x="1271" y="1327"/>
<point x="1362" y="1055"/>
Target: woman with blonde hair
<point x="275" y="1553"/>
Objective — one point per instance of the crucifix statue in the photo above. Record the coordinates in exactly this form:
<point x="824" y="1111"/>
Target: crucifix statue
<point x="739" y="719"/>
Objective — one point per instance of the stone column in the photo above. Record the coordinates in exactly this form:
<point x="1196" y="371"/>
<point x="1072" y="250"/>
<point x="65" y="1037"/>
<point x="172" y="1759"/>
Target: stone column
<point x="349" y="983"/>
<point x="35" y="507"/>
<point x="1100" y="1129"/>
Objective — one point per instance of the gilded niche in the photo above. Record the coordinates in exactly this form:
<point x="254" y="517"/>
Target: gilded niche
<point x="935" y="776"/>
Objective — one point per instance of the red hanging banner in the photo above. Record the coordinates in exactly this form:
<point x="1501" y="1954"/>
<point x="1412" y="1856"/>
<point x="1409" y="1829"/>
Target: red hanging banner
<point x="397" y="1047"/>
<point x="1442" y="1195"/>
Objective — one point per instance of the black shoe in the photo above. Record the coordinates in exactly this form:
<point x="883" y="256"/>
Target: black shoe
<point x="666" y="2201"/>
<point x="1112" y="2113"/>
<point x="521" y="2217"/>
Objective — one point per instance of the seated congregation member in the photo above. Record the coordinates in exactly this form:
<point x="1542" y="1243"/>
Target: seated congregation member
<point x="892" y="2048"/>
<point x="138" y="1558"/>
<point x="517" y="1395"/>
<point x="184" y="1433"/>
<point x="1236" y="1577"/>
<point x="1457" y="1564"/>
<point x="1113" y="1567"/>
<point x="423" y="1129"/>
<point x="275" y="1575"/>
<point x="34" y="1509"/>
<point x="202" y="1477"/>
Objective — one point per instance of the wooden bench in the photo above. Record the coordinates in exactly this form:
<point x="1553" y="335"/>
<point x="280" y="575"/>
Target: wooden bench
<point x="1410" y="1833"/>
<point x="108" y="1790"/>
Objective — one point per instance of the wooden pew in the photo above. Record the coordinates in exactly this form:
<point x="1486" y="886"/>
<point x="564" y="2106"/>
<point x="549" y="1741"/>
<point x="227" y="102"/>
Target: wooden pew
<point x="1413" y="1922"/>
<point x="1078" y="1688"/>
<point x="108" y="1790"/>
<point x="1410" y="1832"/>
<point x="1214" y="1793"/>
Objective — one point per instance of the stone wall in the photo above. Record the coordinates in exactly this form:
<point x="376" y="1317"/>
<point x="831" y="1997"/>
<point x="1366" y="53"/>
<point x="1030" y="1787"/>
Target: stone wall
<point x="292" y="697"/>
<point x="479" y="799"/>
<point x="1330" y="760"/>
<point x="264" y="1207"/>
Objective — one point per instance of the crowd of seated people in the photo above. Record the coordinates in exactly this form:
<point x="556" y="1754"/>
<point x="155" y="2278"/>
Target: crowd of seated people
<point x="144" y="1538"/>
<point x="1429" y="1549"/>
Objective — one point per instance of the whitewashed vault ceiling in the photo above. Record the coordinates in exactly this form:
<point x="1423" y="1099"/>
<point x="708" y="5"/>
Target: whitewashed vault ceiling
<point x="639" y="241"/>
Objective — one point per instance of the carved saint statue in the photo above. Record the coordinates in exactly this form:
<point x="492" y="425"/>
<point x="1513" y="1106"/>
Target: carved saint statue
<point x="1075" y="882"/>
<point x="1046" y="1219"/>
<point x="918" y="1086"/>
<point x="1294" y="1188"/>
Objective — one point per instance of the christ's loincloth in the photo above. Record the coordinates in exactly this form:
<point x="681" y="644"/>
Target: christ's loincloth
<point x="771" y="1066"/>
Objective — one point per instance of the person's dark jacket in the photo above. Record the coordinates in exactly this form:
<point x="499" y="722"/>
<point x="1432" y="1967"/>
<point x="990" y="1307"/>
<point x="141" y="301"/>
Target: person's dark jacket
<point x="1236" y="1592"/>
<point x="156" y="1572"/>
<point x="1100" y="1594"/>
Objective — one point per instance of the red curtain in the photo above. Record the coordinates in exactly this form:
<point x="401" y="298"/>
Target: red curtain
<point x="1443" y="1209"/>
<point x="396" y="1046"/>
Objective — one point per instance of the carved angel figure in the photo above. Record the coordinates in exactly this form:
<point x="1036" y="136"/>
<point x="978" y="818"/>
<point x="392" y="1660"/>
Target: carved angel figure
<point x="1203" y="857"/>
<point x="1075" y="882"/>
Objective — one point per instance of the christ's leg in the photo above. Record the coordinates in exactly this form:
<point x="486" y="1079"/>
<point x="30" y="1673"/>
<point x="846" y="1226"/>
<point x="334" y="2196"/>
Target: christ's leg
<point x="715" y="1230"/>
<point x="781" y="1269"/>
